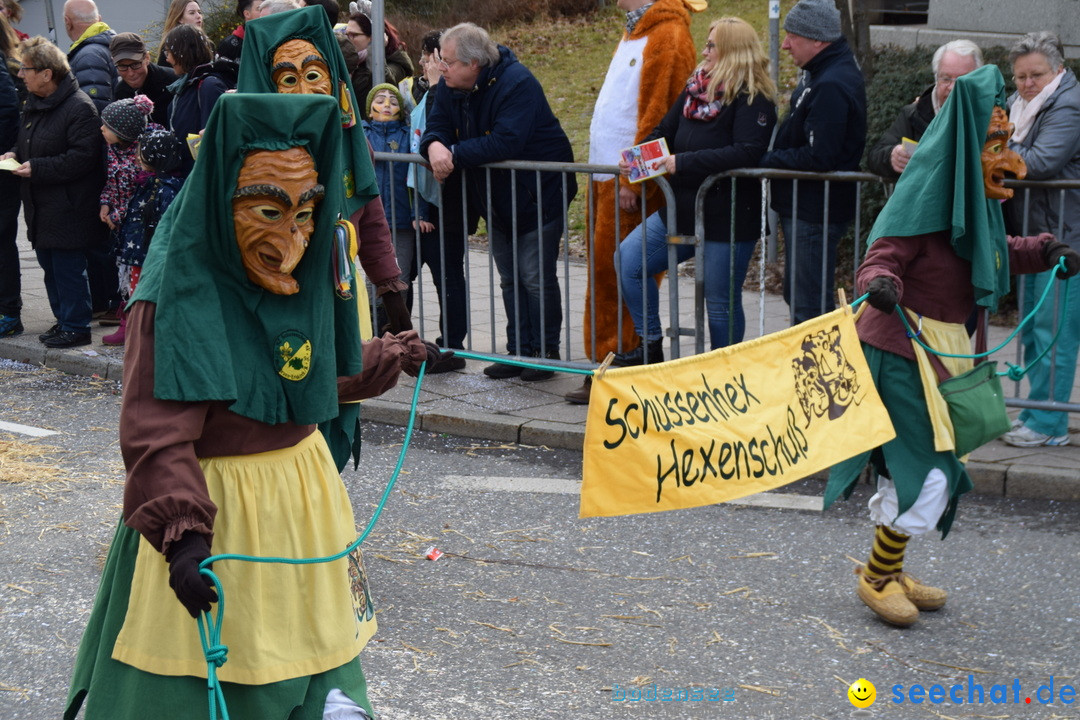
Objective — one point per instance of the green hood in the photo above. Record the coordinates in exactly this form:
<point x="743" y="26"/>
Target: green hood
<point x="220" y="337"/>
<point x="941" y="189"/>
<point x="262" y="37"/>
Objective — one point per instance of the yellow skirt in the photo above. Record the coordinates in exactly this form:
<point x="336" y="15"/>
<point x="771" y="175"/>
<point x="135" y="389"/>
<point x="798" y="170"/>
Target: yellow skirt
<point x="281" y="621"/>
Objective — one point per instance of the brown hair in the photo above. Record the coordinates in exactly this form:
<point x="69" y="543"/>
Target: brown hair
<point x="39" y="53"/>
<point x="189" y="47"/>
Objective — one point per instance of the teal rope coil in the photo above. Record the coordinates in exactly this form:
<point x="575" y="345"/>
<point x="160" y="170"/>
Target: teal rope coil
<point x="1014" y="372"/>
<point x="210" y="626"/>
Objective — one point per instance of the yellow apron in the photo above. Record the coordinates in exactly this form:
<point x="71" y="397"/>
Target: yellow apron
<point x="949" y="338"/>
<point x="281" y="621"/>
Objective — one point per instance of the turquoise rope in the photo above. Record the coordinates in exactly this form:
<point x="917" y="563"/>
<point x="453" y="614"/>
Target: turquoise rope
<point x="521" y="363"/>
<point x="1015" y="372"/>
<point x="210" y="627"/>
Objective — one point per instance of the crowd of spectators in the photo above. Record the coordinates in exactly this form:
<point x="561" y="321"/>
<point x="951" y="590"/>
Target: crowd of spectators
<point x="472" y="103"/>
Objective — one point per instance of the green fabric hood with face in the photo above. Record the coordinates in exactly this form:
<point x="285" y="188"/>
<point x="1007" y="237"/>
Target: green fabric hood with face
<point x="941" y="189"/>
<point x="220" y="337"/>
<point x="262" y="36"/>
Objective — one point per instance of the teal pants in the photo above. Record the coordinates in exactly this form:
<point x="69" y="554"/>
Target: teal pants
<point x="1037" y="335"/>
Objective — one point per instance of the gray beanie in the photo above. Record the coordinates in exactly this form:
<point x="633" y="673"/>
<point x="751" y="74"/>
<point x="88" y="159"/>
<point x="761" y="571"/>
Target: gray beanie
<point x="814" y="19"/>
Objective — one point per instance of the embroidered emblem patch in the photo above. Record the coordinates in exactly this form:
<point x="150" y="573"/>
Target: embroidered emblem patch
<point x="293" y="355"/>
<point x="350" y="184"/>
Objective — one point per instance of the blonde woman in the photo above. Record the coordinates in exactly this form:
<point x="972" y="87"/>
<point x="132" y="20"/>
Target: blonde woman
<point x="722" y="120"/>
<point x="180" y="12"/>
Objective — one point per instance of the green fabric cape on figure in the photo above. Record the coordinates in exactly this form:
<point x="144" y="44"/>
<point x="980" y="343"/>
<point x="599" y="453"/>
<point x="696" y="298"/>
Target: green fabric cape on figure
<point x="262" y="37"/>
<point x="942" y="188"/>
<point x="211" y="319"/>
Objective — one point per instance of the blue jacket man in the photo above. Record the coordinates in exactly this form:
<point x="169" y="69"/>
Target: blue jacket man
<point x="824" y="131"/>
<point x="89" y="56"/>
<point x="488" y="108"/>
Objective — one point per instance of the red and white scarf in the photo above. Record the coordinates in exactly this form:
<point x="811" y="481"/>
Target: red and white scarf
<point x="697" y="105"/>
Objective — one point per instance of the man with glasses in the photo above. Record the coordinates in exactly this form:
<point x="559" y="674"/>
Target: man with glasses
<point x="889" y="157"/>
<point x="489" y="108"/>
<point x="140" y="76"/>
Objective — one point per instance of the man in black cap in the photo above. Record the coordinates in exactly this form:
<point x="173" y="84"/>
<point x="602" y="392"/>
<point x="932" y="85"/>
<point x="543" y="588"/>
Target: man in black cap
<point x="824" y="131"/>
<point x="140" y="76"/>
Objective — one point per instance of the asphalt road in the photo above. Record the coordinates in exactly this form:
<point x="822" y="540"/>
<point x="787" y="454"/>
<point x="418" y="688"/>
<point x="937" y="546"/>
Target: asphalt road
<point x="534" y="613"/>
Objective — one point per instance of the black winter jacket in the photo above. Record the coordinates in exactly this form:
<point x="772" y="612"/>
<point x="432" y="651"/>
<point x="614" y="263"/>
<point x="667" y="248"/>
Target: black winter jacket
<point x="61" y="137"/>
<point x="825" y="131"/>
<point x="736" y="138"/>
<point x="506" y="116"/>
<point x="91" y="63"/>
<point x="911" y="123"/>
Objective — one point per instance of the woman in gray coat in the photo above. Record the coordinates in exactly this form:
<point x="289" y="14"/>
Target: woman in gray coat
<point x="60" y="150"/>
<point x="1046" y="112"/>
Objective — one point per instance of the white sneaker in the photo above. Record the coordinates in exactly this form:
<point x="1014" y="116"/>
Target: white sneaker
<point x="1026" y="437"/>
<point x="1016" y="424"/>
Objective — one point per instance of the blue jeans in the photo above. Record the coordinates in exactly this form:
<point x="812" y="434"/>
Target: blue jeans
<point x="727" y="323"/>
<point x="1037" y="334"/>
<point x="67" y="287"/>
<point x="812" y="296"/>
<point x="532" y="285"/>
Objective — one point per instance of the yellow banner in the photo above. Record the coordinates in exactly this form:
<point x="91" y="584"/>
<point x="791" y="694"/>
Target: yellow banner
<point x="733" y="422"/>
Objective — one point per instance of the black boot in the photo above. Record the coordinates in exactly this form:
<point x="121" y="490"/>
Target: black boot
<point x="654" y="349"/>
<point x="534" y="374"/>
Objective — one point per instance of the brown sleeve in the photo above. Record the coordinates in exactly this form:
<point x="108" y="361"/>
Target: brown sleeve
<point x="165" y="493"/>
<point x="382" y="365"/>
<point x="1026" y="254"/>
<point x="376" y="248"/>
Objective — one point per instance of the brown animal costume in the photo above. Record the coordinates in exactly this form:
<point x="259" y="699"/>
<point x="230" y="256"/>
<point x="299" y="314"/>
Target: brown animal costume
<point x="655" y="58"/>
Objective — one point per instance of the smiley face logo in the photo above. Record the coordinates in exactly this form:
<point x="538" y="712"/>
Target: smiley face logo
<point x="862" y="693"/>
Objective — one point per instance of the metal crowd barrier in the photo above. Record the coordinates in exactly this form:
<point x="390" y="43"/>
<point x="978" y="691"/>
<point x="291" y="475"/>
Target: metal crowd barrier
<point x="572" y="345"/>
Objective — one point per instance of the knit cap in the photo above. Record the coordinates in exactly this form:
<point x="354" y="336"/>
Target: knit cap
<point x="127" y="118"/>
<point x="161" y="150"/>
<point x="377" y="89"/>
<point x="815" y="20"/>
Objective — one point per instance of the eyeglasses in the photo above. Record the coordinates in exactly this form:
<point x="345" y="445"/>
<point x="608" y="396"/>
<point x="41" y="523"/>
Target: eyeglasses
<point x="945" y="80"/>
<point x="710" y="46"/>
<point x="354" y="35"/>
<point x="128" y="67"/>
<point x="445" y="64"/>
<point x="27" y="68"/>
<point x="1035" y="77"/>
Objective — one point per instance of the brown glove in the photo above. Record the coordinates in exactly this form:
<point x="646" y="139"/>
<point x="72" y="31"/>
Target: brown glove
<point x="416" y="352"/>
<point x="396" y="312"/>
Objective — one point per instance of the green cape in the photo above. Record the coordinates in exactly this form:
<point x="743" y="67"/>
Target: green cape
<point x="218" y="336"/>
<point x="941" y="189"/>
<point x="262" y="37"/>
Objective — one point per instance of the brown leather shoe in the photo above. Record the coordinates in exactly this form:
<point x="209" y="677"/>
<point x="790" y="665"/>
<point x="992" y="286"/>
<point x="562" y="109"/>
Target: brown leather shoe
<point x="580" y="396"/>
<point x="885" y="596"/>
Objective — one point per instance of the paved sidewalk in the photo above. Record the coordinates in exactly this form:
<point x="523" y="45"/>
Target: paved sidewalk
<point x="469" y="404"/>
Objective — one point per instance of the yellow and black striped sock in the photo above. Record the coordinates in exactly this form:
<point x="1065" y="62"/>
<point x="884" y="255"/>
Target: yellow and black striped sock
<point x="887" y="555"/>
